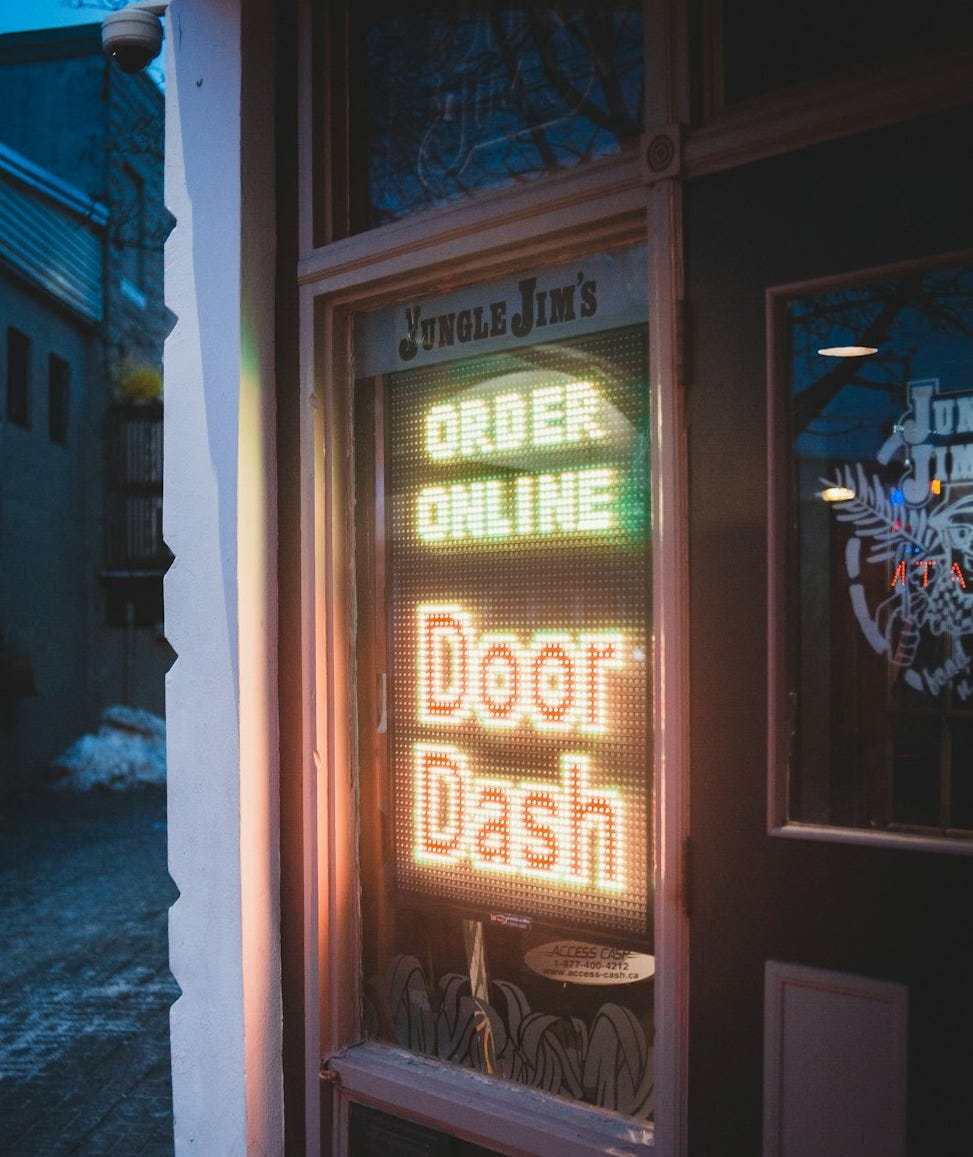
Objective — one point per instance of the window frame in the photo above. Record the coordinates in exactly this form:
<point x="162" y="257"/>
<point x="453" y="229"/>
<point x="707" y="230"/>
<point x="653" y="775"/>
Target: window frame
<point x="441" y="248"/>
<point x="361" y="1070"/>
<point x="335" y="170"/>
<point x="614" y="202"/>
<point x="608" y="205"/>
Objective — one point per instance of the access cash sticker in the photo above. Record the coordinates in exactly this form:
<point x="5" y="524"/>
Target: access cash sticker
<point x="578" y="962"/>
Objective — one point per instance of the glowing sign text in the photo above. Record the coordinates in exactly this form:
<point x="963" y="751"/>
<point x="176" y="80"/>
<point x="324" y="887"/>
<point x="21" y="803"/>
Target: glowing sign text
<point x="516" y="571"/>
<point x="572" y="502"/>
<point x="552" y="415"/>
<point x="556" y="682"/>
<point x="567" y="833"/>
<point x="901" y="576"/>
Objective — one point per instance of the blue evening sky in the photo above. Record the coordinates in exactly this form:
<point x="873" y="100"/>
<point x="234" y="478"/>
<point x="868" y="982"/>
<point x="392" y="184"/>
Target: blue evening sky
<point x="25" y="15"/>
<point x="28" y="15"/>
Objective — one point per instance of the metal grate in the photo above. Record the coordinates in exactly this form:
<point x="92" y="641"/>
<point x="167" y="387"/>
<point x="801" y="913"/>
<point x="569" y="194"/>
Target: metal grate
<point x="134" y="488"/>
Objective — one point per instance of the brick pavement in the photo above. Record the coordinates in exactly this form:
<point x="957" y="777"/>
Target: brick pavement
<point x="84" y="982"/>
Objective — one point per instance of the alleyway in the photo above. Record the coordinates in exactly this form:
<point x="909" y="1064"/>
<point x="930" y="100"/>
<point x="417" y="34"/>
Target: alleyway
<point x="84" y="983"/>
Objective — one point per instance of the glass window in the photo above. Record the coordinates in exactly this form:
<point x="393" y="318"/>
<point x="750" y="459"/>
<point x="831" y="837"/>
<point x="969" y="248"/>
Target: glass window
<point x="503" y="546"/>
<point x="18" y="377"/>
<point x="448" y="99"/>
<point x="878" y="703"/>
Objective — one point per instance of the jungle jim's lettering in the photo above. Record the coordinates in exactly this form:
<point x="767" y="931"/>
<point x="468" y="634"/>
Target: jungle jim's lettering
<point x="536" y="308"/>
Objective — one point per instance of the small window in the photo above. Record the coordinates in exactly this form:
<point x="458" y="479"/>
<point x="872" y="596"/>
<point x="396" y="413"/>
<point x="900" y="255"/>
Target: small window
<point x="58" y="398"/>
<point x="874" y="687"/>
<point x="18" y="377"/>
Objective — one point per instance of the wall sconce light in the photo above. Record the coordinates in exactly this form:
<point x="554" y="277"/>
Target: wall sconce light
<point x="837" y="494"/>
<point x="848" y="351"/>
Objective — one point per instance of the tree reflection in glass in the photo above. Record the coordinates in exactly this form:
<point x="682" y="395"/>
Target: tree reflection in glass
<point x="467" y="96"/>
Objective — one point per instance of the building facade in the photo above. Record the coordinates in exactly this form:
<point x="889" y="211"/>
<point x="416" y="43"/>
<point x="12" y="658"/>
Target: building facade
<point x="567" y="484"/>
<point x="83" y="224"/>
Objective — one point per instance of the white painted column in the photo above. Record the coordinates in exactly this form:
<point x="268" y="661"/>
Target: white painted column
<point x="219" y="523"/>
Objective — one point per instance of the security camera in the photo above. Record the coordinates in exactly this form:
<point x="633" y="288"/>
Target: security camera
<point x="132" y="37"/>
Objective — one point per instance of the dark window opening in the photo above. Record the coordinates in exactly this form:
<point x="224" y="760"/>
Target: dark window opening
<point x="18" y="377"/>
<point x="131" y="238"/>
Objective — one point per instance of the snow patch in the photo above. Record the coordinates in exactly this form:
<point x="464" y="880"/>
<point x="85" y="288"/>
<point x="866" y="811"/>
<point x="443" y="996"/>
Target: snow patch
<point x="128" y="751"/>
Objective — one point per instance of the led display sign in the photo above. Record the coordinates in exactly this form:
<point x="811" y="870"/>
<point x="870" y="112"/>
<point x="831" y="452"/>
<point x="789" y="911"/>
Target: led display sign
<point x="516" y="556"/>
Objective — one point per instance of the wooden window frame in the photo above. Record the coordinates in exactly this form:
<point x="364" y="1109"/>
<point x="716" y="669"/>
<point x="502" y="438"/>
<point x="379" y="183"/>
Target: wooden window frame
<point x="609" y="204"/>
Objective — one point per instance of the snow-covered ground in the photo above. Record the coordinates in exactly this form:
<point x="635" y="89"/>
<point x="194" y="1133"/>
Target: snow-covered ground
<point x="128" y="751"/>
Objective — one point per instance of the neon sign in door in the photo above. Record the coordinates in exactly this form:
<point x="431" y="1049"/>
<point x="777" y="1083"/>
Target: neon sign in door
<point x="518" y="598"/>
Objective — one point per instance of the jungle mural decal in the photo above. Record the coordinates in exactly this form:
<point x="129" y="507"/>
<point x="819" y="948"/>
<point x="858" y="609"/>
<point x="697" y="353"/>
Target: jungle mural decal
<point x="607" y="1063"/>
<point x="922" y="537"/>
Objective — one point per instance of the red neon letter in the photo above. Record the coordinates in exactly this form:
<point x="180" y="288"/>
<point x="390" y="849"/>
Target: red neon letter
<point x="498" y="668"/>
<point x="552" y="682"/>
<point x="444" y="662"/>
<point x="589" y="810"/>
<point x="925" y="563"/>
<point x="598" y="652"/>
<point x="541" y="846"/>
<point x="490" y="843"/>
<point x="441" y="777"/>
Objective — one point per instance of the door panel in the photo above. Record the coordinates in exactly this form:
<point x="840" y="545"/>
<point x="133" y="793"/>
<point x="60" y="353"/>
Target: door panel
<point x="897" y="194"/>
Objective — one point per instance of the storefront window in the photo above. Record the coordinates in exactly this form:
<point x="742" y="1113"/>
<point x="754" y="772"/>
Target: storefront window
<point x="876" y="718"/>
<point x="503" y="546"/>
<point x="449" y="99"/>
